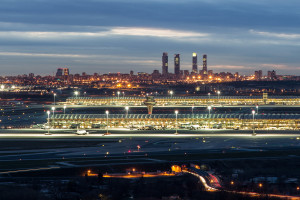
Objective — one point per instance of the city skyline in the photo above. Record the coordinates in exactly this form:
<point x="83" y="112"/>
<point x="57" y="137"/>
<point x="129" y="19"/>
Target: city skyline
<point x="119" y="36"/>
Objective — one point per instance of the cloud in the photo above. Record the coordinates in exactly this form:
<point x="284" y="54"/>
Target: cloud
<point x="45" y="55"/>
<point x="115" y="31"/>
<point x="277" y="35"/>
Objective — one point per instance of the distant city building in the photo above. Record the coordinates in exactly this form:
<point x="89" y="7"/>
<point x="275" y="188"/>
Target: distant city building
<point x="66" y="72"/>
<point x="62" y="72"/>
<point x="258" y="75"/>
<point x="155" y="74"/>
<point x="272" y="75"/>
<point x="165" y="64"/>
<point x="31" y="75"/>
<point x="186" y="72"/>
<point x="195" y="64"/>
<point x="177" y="64"/>
<point x="204" y="64"/>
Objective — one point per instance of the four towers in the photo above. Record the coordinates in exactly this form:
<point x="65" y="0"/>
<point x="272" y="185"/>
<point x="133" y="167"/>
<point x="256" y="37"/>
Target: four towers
<point x="177" y="72"/>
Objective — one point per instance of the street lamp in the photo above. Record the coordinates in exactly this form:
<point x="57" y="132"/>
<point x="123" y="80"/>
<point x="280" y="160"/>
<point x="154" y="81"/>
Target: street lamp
<point x="84" y="94"/>
<point x="65" y="109"/>
<point x="209" y="96"/>
<point x="76" y="93"/>
<point x="53" y="109"/>
<point x="54" y="95"/>
<point x="257" y="109"/>
<point x="193" y="109"/>
<point x="253" y="113"/>
<point x="171" y="93"/>
<point x="48" y="112"/>
<point x="209" y="108"/>
<point x="123" y="94"/>
<point x="126" y="108"/>
<point x="118" y="94"/>
<point x="219" y="94"/>
<point x="107" y="112"/>
<point x="176" y="113"/>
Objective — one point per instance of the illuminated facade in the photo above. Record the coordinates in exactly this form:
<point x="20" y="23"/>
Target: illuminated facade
<point x="195" y="65"/>
<point x="204" y="64"/>
<point x="165" y="64"/>
<point x="187" y="101"/>
<point x="185" y="121"/>
<point x="177" y="64"/>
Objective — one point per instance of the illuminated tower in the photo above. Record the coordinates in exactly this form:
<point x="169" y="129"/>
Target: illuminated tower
<point x="205" y="64"/>
<point x="66" y="71"/>
<point x="150" y="102"/>
<point x="195" y="65"/>
<point x="165" y="64"/>
<point x="177" y="64"/>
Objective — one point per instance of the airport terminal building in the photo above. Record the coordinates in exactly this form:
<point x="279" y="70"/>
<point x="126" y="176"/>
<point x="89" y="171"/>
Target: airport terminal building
<point x="187" y="101"/>
<point x="186" y="121"/>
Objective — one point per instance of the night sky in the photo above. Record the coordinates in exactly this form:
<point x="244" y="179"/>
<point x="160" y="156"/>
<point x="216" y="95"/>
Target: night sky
<point x="121" y="35"/>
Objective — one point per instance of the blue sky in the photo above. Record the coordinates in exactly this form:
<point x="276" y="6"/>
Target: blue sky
<point x="121" y="35"/>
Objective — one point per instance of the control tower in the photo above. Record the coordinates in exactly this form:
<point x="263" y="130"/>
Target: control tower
<point x="150" y="102"/>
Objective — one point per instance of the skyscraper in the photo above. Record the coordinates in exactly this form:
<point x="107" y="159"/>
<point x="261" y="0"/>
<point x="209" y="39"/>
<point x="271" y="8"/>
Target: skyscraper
<point x="195" y="65"/>
<point x="177" y="64"/>
<point x="66" y="71"/>
<point x="204" y="64"/>
<point x="165" y="64"/>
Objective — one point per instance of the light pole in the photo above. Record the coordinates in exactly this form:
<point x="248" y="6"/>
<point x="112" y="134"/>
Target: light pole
<point x="84" y="94"/>
<point x="65" y="109"/>
<point x="48" y="112"/>
<point x="118" y="94"/>
<point x="54" y="95"/>
<point x="171" y="93"/>
<point x="107" y="112"/>
<point x="126" y="108"/>
<point x="253" y="113"/>
<point x="209" y="97"/>
<point x="209" y="108"/>
<point x="76" y="93"/>
<point x="156" y="93"/>
<point x="123" y="94"/>
<point x="193" y="114"/>
<point x="176" y="113"/>
<point x="257" y="109"/>
<point x="53" y="109"/>
<point x="219" y="95"/>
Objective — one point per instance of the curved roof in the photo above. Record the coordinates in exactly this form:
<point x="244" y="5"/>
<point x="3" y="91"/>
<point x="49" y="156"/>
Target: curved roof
<point x="179" y="116"/>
